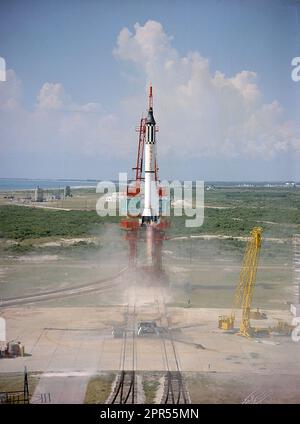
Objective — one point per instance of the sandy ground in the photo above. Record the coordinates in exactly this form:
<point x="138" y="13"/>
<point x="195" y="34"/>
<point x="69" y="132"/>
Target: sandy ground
<point x="223" y="237"/>
<point x="70" y="345"/>
<point x="211" y="387"/>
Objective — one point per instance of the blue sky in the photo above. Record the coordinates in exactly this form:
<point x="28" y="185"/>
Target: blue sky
<point x="71" y="43"/>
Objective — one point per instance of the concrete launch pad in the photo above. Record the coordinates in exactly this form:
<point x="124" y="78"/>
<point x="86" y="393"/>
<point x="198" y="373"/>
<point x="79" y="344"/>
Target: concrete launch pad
<point x="58" y="340"/>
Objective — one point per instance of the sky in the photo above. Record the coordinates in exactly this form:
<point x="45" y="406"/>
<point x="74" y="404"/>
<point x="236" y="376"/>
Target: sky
<point x="77" y="75"/>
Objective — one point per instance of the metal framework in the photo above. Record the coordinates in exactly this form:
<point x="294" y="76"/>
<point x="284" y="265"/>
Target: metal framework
<point x="245" y="287"/>
<point x="136" y="188"/>
<point x="17" y="396"/>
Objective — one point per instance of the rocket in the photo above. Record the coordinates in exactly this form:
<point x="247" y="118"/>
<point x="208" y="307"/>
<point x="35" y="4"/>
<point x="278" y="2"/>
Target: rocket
<point x="149" y="225"/>
<point x="150" y="214"/>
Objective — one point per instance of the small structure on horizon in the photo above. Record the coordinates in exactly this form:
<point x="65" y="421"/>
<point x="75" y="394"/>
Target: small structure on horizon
<point x="290" y="184"/>
<point x="38" y="194"/>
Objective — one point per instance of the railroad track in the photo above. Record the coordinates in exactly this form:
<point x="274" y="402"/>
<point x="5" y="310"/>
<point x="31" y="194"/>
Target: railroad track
<point x="100" y="285"/>
<point x="125" y="390"/>
<point x="175" y="391"/>
<point x="125" y="387"/>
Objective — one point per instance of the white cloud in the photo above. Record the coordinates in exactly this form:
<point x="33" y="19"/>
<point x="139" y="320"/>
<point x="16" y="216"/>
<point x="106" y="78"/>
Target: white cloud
<point x="52" y="96"/>
<point x="205" y="114"/>
<point x="56" y="123"/>
<point x="146" y="46"/>
<point x="200" y="113"/>
<point x="10" y="91"/>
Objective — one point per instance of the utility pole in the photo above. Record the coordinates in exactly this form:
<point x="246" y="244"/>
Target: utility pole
<point x="26" y="386"/>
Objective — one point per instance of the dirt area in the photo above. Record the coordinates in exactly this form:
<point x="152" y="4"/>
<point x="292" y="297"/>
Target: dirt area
<point x="68" y="339"/>
<point x="236" y="388"/>
<point x="210" y="388"/>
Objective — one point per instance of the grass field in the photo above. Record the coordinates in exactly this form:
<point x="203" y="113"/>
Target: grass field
<point x="150" y="387"/>
<point x="11" y="382"/>
<point x="229" y="211"/>
<point x="99" y="389"/>
<point x="22" y="223"/>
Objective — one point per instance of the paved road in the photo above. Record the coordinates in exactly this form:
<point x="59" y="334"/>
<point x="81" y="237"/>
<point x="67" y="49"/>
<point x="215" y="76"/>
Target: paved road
<point x="63" y="388"/>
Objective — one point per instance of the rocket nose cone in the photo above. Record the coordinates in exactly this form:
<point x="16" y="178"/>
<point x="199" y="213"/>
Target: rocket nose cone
<point x="150" y="118"/>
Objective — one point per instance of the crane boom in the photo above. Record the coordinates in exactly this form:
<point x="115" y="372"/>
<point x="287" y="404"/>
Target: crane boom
<point x="247" y="278"/>
<point x="245" y="287"/>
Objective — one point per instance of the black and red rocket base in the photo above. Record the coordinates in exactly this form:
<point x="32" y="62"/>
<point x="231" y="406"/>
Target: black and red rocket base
<point x="136" y="233"/>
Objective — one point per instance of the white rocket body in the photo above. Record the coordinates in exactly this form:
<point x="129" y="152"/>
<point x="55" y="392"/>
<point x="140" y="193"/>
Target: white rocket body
<point x="151" y="201"/>
<point x="149" y="171"/>
<point x="150" y="215"/>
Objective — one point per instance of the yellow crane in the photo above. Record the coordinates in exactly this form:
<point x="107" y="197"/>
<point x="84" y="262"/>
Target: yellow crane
<point x="245" y="287"/>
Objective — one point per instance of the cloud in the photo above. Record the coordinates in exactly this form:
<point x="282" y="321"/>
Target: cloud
<point x="146" y="46"/>
<point x="52" y="96"/>
<point x="201" y="113"/>
<point x="56" y="123"/>
<point x="10" y="91"/>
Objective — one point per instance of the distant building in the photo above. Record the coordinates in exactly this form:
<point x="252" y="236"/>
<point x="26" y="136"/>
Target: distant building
<point x="67" y="191"/>
<point x="290" y="184"/>
<point x="38" y="194"/>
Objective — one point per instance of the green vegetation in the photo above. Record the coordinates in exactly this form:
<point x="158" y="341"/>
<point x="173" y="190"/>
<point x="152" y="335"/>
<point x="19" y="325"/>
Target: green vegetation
<point x="22" y="223"/>
<point x="19" y="248"/>
<point x="256" y="197"/>
<point x="10" y="382"/>
<point x="99" y="389"/>
<point x="231" y="211"/>
<point x="239" y="222"/>
<point x="235" y="211"/>
<point x="150" y="387"/>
